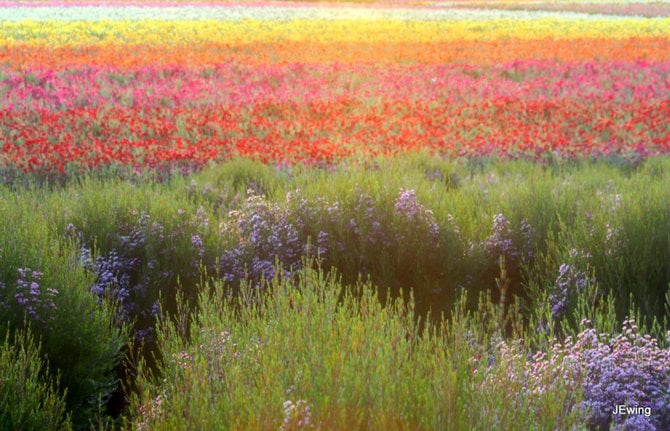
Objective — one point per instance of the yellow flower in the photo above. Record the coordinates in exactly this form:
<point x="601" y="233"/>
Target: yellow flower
<point x="58" y="33"/>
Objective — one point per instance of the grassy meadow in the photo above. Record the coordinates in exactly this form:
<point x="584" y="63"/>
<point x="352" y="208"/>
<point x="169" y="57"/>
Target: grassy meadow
<point x="392" y="293"/>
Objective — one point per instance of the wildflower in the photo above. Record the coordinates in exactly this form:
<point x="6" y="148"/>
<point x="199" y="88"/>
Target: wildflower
<point x="265" y="234"/>
<point x="408" y="208"/>
<point x="500" y="242"/>
<point x="296" y="415"/>
<point x="38" y="304"/>
<point x="527" y="231"/>
<point x="569" y="281"/>
<point x="610" y="370"/>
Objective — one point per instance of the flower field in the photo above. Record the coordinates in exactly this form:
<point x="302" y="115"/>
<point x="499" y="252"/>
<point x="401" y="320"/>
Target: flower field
<point x="154" y="84"/>
<point x="395" y="215"/>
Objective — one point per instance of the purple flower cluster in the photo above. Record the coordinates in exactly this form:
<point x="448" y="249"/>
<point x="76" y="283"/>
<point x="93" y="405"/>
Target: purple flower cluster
<point x="127" y="273"/>
<point x="500" y="242"/>
<point x="527" y="232"/>
<point x="364" y="221"/>
<point x="627" y="371"/>
<point x="407" y="205"/>
<point x="116" y="281"/>
<point x="297" y="415"/>
<point x="264" y="234"/>
<point x="39" y="304"/>
<point x="199" y="247"/>
<point x="434" y="174"/>
<point x="193" y="227"/>
<point x="312" y="214"/>
<point x="569" y="282"/>
<point x="407" y="208"/>
<point x="322" y="240"/>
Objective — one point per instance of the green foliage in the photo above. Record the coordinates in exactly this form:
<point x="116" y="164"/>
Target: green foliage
<point x="618" y="215"/>
<point x="313" y="353"/>
<point x="455" y="233"/>
<point x="79" y="338"/>
<point x="28" y="400"/>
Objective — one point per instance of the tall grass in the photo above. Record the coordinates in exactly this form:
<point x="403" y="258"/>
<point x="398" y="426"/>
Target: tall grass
<point x="315" y="354"/>
<point x="28" y="400"/>
<point x="43" y="287"/>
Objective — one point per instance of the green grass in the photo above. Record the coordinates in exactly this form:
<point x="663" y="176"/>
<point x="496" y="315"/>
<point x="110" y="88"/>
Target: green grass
<point x="342" y="358"/>
<point x="79" y="338"/>
<point x="27" y="399"/>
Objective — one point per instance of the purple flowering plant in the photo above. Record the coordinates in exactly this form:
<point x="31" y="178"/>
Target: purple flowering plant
<point x="501" y="242"/>
<point x="391" y="237"/>
<point x="37" y="302"/>
<point x="416" y="237"/>
<point x="574" y="294"/>
<point x="144" y="263"/>
<point x="505" y="251"/>
<point x="411" y="213"/>
<point x="262" y="238"/>
<point x="603" y="372"/>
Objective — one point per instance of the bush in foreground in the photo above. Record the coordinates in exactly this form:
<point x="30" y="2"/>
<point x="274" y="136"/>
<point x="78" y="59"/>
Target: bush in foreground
<point x="312" y="354"/>
<point x="27" y="399"/>
<point x="43" y="288"/>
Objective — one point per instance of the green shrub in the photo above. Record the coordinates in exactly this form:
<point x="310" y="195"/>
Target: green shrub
<point x="316" y="354"/>
<point x="616" y="214"/>
<point x="43" y="284"/>
<point x="28" y="400"/>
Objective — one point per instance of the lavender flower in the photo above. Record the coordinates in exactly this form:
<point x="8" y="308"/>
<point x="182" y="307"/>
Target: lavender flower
<point x="199" y="247"/>
<point x="265" y="234"/>
<point x="127" y="273"/>
<point x="434" y="174"/>
<point x="406" y="205"/>
<point x="156" y="310"/>
<point x="569" y="282"/>
<point x="85" y="258"/>
<point x="38" y="304"/>
<point x="408" y="208"/>
<point x="296" y="415"/>
<point x="628" y="369"/>
<point x="500" y="242"/>
<point x="527" y="231"/>
<point x="635" y="423"/>
<point x="322" y="243"/>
